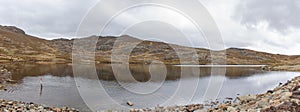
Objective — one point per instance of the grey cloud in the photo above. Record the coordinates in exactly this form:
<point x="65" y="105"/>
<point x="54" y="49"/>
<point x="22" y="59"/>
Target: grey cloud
<point x="158" y="31"/>
<point x="281" y="15"/>
<point x="60" y="18"/>
<point x="46" y="18"/>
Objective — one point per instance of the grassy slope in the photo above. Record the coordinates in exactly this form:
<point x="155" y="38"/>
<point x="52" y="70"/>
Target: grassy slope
<point x="21" y="47"/>
<point x="17" y="46"/>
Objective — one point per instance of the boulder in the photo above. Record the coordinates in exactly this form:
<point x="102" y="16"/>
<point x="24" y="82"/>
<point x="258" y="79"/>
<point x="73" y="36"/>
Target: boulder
<point x="129" y="103"/>
<point x="247" y="98"/>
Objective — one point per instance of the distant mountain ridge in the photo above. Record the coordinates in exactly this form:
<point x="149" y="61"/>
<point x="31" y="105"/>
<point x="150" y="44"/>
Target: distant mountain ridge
<point x="17" y="46"/>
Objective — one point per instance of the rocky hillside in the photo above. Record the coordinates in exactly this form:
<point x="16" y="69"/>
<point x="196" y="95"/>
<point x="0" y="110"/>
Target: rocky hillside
<point x="147" y="51"/>
<point x="17" y="46"/>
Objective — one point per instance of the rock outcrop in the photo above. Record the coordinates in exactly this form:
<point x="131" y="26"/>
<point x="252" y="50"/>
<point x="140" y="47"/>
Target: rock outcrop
<point x="13" y="29"/>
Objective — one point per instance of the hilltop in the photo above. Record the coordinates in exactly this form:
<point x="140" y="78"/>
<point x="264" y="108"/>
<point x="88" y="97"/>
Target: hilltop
<point x="17" y="46"/>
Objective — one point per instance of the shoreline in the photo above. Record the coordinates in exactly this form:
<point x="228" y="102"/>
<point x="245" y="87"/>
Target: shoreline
<point x="285" y="97"/>
<point x="19" y="106"/>
<point x="266" y="67"/>
<point x="5" y="78"/>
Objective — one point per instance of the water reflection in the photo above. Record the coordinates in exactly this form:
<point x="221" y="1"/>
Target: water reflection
<point x="139" y="72"/>
<point x="41" y="86"/>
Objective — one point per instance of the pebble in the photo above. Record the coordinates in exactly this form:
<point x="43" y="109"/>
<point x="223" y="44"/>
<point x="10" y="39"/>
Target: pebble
<point x="185" y="108"/>
<point x="17" y="106"/>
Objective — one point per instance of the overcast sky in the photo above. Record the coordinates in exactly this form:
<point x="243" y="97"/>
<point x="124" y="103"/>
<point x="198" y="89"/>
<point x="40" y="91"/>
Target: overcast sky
<point x="264" y="25"/>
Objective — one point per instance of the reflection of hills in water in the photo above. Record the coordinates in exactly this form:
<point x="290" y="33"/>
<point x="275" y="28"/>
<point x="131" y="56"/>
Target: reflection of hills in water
<point x="139" y="72"/>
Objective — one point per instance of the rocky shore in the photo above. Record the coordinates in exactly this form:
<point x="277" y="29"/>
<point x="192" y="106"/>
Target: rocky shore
<point x="5" y="78"/>
<point x="284" y="98"/>
<point x="185" y="108"/>
<point x="17" y="106"/>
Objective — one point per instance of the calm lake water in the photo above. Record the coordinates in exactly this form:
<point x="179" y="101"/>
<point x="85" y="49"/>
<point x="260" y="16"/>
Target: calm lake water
<point x="60" y="89"/>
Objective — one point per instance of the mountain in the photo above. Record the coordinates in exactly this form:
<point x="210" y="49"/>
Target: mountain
<point x="17" y="46"/>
